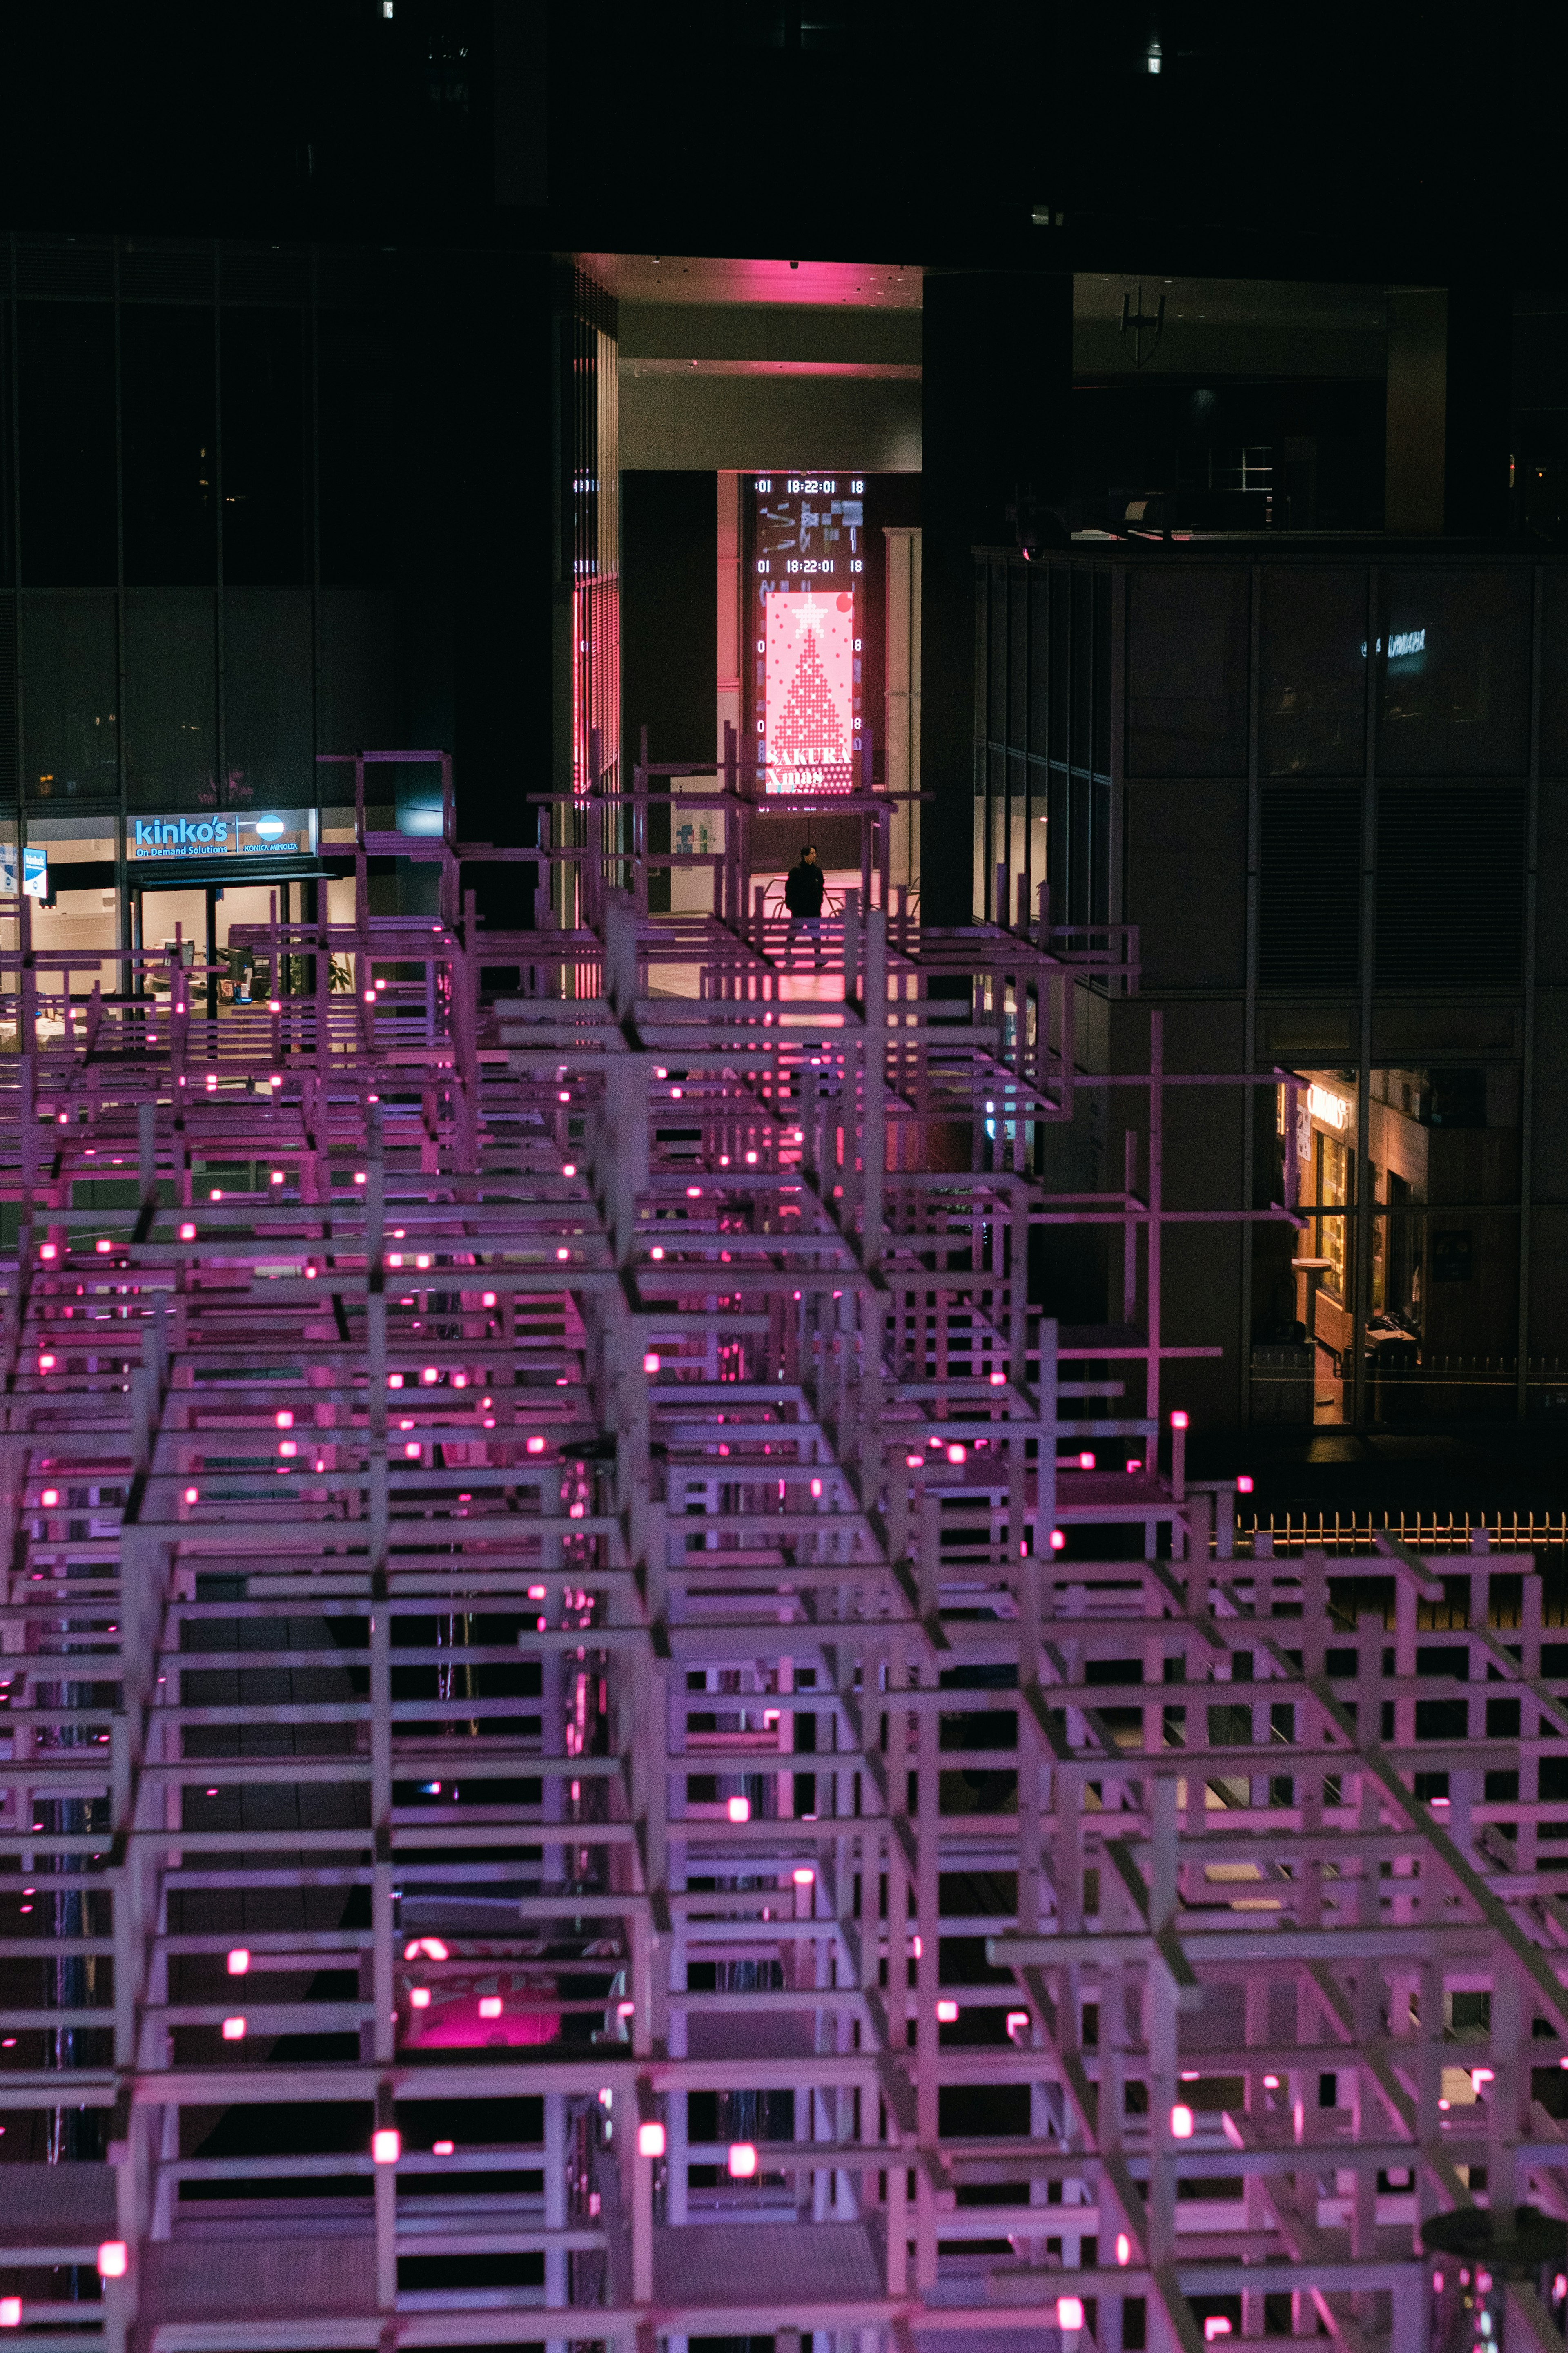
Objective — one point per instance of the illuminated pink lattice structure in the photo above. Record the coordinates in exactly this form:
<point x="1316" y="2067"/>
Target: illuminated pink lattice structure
<point x="614" y="1738"/>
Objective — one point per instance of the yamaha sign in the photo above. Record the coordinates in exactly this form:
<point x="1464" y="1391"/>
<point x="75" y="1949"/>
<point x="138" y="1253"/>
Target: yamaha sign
<point x="262" y="834"/>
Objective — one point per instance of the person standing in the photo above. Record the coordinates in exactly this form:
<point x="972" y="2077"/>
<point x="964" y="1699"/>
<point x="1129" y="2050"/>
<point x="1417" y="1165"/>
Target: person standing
<point x="803" y="888"/>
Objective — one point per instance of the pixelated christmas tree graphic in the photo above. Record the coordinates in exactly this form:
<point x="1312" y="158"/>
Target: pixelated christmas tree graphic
<point x="810" y="728"/>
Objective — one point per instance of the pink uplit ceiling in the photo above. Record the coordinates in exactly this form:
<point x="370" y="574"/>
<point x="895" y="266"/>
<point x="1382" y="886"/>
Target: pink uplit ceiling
<point x="687" y="278"/>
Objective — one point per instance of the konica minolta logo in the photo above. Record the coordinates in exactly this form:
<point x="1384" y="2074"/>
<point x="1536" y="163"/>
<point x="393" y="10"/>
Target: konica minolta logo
<point x="182" y="832"/>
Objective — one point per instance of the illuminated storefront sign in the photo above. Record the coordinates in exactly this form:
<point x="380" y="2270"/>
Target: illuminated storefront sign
<point x="232" y="835"/>
<point x="34" y="872"/>
<point x="1332" y="1110"/>
<point x="1401" y="645"/>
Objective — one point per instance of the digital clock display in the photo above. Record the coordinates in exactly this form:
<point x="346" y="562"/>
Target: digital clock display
<point x="806" y="614"/>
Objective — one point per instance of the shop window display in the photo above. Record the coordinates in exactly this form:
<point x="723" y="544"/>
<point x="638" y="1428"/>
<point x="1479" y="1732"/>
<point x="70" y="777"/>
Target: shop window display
<point x="1439" y="1165"/>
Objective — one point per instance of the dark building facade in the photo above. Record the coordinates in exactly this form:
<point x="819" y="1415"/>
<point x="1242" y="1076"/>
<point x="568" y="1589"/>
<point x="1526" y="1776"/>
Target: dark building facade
<point x="1328" y="783"/>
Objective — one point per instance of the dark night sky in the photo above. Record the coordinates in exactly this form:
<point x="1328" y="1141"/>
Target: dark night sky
<point x="1328" y="139"/>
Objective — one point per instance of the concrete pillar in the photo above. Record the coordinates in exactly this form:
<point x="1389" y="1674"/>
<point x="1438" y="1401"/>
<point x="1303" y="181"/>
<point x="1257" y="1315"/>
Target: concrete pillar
<point x="1413" y="497"/>
<point x="997" y="388"/>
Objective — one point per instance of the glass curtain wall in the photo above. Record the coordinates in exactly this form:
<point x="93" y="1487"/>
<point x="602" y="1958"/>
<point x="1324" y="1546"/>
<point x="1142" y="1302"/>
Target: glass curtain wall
<point x="1330" y="787"/>
<point x="198" y="584"/>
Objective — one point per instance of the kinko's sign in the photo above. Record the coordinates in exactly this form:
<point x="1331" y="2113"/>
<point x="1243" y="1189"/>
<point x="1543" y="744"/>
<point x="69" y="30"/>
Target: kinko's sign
<point x="263" y="834"/>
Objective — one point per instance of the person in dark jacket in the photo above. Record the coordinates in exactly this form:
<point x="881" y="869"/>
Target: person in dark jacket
<point x="804" y="887"/>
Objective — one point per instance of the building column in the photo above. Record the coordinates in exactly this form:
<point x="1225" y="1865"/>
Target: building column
<point x="997" y="388"/>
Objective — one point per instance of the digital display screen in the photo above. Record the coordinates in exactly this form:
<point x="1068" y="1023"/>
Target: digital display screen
<point x="811" y="700"/>
<point x="807" y="613"/>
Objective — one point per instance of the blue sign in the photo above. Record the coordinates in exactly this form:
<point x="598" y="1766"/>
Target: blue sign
<point x="34" y="872"/>
<point x="235" y="834"/>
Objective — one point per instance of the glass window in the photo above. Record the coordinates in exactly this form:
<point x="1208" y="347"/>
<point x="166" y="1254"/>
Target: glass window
<point x="1555" y="672"/>
<point x="357" y="708"/>
<point x="1450" y="885"/>
<point x="360" y="371"/>
<point x="1061" y="693"/>
<point x="1442" y="1322"/>
<point x="1455" y="654"/>
<point x="1187" y="673"/>
<point x="1019" y="661"/>
<point x="269" y="732"/>
<point x="70" y="729"/>
<point x="1042" y="592"/>
<point x="1312" y="721"/>
<point x="171" y="707"/>
<point x="64" y="420"/>
<point x="170" y="445"/>
<point x="265" y="538"/>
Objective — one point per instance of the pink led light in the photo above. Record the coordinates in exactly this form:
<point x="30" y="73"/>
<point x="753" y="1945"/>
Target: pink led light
<point x="568" y="1169"/>
<point x="487" y="1298"/>
<point x="1069" y="2312"/>
<point x="1086" y="1462"/>
<point x="10" y="2312"/>
<point x="1244" y="1484"/>
<point x="817" y="1488"/>
<point x="1178" y="1419"/>
<point x="1123" y="2249"/>
<point x="650" y="1361"/>
<point x="48" y="1249"/>
<point x="1058" y="1539"/>
<point x="804" y="1876"/>
<point x="651" y="2140"/>
<point x="657" y="1252"/>
<point x="411" y="1452"/>
<point x="103" y="1246"/>
<point x="113" y="2259"/>
<point x="1018" y="2023"/>
<point x="386" y="2145"/>
<point x="958" y="1454"/>
<point x="490" y="2005"/>
<point x="47" y="1362"/>
<point x="284" y="1418"/>
<point x="192" y="1494"/>
<point x="187" y="1232"/>
<point x="694" y="1192"/>
<point x="740" y="1810"/>
<point x="50" y="1498"/>
<point x="742" y="2162"/>
<point x="443" y="2149"/>
<point x="913" y="1462"/>
<point x="239" y="1961"/>
<point x="1217" y="2324"/>
<point x="419" y="1998"/>
<point x="536" y="1446"/>
<point x="1181" y="2123"/>
<point x="234" y="2029"/>
<point x="998" y="1380"/>
<point x="429" y="1374"/>
<point x="946" y="2012"/>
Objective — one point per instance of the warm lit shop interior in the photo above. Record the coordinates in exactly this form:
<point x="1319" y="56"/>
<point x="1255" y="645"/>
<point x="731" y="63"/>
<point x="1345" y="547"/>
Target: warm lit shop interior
<point x="1432" y="1200"/>
<point x="76" y="906"/>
